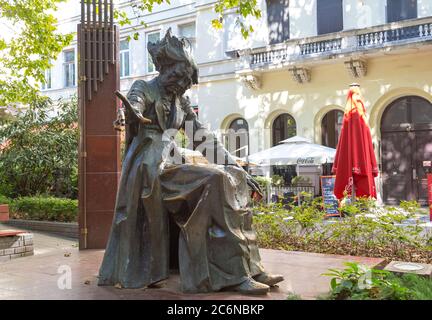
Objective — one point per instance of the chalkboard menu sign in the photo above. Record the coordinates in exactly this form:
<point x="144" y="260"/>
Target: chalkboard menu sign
<point x="331" y="203"/>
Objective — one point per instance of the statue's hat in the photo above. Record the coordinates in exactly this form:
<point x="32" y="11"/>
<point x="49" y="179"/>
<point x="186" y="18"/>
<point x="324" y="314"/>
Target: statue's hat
<point x="171" y="49"/>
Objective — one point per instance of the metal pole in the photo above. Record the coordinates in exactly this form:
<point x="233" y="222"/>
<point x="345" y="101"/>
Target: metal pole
<point x="100" y="41"/>
<point x="82" y="143"/>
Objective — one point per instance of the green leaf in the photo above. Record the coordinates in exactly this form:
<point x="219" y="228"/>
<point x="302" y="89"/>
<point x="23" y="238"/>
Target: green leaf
<point x="333" y="283"/>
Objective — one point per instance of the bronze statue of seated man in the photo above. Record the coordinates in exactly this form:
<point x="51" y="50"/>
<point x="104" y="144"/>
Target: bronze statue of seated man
<point x="174" y="214"/>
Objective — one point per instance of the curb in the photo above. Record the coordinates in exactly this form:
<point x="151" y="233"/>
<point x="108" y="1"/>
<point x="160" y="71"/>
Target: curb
<point x="65" y="229"/>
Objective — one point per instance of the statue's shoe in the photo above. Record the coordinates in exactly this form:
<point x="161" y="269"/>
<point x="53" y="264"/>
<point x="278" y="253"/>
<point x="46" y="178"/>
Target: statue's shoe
<point x="269" y="279"/>
<point x="157" y="285"/>
<point x="250" y="286"/>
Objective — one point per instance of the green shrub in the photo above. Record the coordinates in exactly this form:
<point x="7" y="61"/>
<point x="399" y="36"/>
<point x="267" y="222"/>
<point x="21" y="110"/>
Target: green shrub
<point x="358" y="282"/>
<point x="41" y="156"/>
<point x="4" y="199"/>
<point x="277" y="180"/>
<point x="305" y="228"/>
<point x="44" y="208"/>
<point x="420" y="286"/>
<point x="263" y="182"/>
<point x="300" y="181"/>
<point x="411" y="206"/>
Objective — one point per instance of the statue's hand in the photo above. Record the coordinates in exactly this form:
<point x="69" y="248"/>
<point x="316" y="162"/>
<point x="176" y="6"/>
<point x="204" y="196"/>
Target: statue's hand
<point x="253" y="184"/>
<point x="132" y="111"/>
<point x="119" y="123"/>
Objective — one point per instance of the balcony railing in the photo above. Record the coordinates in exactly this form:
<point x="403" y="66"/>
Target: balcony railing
<point x="321" y="46"/>
<point x="387" y="35"/>
<point x="392" y="34"/>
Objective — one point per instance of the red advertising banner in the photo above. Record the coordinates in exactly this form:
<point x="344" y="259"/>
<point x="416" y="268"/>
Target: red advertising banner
<point x="429" y="180"/>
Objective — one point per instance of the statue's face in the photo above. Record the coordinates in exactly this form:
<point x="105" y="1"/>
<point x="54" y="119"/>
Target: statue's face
<point x="177" y="78"/>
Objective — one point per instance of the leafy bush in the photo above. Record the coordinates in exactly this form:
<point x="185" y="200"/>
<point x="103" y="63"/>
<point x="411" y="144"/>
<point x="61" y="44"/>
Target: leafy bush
<point x="410" y="206"/>
<point x="4" y="199"/>
<point x="279" y="228"/>
<point x="420" y="286"/>
<point x="373" y="232"/>
<point x="358" y="282"/>
<point x="41" y="153"/>
<point x="300" y="181"/>
<point x="277" y="180"/>
<point x="264" y="182"/>
<point x="44" y="208"/>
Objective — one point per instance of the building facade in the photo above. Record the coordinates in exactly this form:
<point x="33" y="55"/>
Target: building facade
<point x="291" y="76"/>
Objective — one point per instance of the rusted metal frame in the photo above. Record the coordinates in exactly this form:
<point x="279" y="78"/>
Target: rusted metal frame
<point x="116" y="45"/>
<point x="94" y="47"/>
<point x="100" y="42"/>
<point x="94" y="60"/>
<point x="87" y="44"/>
<point x="111" y="32"/>
<point x="82" y="13"/>
<point x="88" y="14"/>
<point x="106" y="37"/>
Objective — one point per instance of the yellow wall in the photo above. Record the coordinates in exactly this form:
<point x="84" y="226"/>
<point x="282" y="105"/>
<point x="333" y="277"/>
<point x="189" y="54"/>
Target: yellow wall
<point x="388" y="78"/>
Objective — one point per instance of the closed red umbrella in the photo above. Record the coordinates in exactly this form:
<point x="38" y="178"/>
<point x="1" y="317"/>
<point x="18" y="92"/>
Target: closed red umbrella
<point x="355" y="163"/>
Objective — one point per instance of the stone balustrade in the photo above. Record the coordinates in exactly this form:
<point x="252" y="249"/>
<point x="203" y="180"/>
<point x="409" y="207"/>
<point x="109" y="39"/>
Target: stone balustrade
<point x="415" y="31"/>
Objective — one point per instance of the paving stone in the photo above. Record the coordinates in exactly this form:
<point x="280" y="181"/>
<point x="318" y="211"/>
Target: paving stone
<point x="4" y="258"/>
<point x="36" y="277"/>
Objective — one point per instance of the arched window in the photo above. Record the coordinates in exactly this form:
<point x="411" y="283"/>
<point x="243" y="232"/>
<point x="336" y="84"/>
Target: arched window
<point x="284" y="127"/>
<point x="331" y="126"/>
<point x="238" y="138"/>
<point x="407" y="112"/>
<point x="406" y="146"/>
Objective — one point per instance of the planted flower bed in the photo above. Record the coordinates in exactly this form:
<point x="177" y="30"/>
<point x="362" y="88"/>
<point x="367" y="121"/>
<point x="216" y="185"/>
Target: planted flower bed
<point x="357" y="282"/>
<point x="365" y="230"/>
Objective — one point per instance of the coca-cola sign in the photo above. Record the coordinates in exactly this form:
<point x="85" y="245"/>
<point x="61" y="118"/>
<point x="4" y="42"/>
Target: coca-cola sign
<point x="308" y="160"/>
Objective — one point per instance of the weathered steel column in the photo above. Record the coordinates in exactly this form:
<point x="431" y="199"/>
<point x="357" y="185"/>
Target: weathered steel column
<point x="99" y="149"/>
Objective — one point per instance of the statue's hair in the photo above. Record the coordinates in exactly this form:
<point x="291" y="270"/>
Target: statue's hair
<point x="170" y="50"/>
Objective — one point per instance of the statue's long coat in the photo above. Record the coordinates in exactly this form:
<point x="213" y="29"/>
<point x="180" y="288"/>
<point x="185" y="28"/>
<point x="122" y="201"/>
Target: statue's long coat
<point x="207" y="204"/>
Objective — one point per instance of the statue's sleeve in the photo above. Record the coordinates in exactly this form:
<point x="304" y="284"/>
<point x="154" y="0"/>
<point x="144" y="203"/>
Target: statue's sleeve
<point x="137" y="98"/>
<point x="202" y="139"/>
